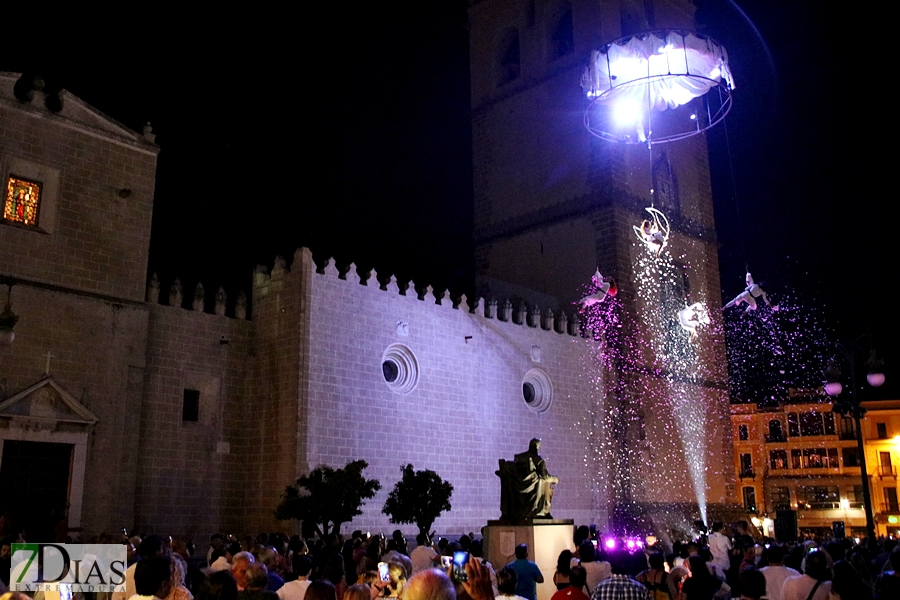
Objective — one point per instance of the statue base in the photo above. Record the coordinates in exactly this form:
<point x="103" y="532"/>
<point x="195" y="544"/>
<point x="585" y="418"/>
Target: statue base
<point x="546" y="538"/>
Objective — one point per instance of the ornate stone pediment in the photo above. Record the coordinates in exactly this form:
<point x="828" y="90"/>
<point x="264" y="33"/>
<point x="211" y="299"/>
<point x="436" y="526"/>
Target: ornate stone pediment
<point x="45" y="405"/>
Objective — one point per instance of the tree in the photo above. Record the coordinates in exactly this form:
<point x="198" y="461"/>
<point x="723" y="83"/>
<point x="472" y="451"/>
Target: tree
<point x="419" y="497"/>
<point x="330" y="497"/>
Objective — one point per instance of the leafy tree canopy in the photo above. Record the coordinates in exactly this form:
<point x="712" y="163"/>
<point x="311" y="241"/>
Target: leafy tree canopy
<point x="328" y="497"/>
<point x="419" y="497"/>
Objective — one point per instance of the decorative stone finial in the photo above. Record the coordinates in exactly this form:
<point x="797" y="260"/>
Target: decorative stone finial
<point x="371" y="279"/>
<point x="392" y="286"/>
<point x="330" y="268"/>
<point x="153" y="289"/>
<point x="428" y="296"/>
<point x="521" y="312"/>
<point x="221" y="298"/>
<point x="260" y="275"/>
<point x="240" y="306"/>
<point x="148" y="133"/>
<point x="444" y="298"/>
<point x="464" y="304"/>
<point x="199" y="297"/>
<point x="506" y="311"/>
<point x="175" y="295"/>
<point x="490" y="309"/>
<point x="562" y="322"/>
<point x="575" y="325"/>
<point x="349" y="274"/>
<point x="279" y="268"/>
<point x="534" y="316"/>
<point x="547" y="322"/>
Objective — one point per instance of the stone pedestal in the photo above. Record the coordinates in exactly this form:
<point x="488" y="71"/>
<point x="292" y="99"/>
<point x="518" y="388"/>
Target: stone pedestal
<point x="546" y="538"/>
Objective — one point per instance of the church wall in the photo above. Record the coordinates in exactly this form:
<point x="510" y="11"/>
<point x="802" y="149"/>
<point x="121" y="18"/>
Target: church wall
<point x="98" y="356"/>
<point x="185" y="482"/>
<point x="466" y="412"/>
<point x="273" y="422"/>
<point x="100" y="241"/>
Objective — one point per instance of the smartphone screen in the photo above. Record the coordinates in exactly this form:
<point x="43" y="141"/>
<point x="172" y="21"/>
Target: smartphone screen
<point x="458" y="572"/>
<point x="384" y="572"/>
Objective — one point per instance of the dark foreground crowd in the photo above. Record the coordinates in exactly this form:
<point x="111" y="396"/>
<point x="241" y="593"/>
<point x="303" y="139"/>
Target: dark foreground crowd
<point x="364" y="567"/>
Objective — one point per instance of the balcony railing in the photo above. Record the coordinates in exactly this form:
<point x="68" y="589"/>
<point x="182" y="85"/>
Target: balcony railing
<point x="889" y="471"/>
<point x="770" y="439"/>
<point x="748" y="474"/>
<point x="818" y="505"/>
<point x="890" y="508"/>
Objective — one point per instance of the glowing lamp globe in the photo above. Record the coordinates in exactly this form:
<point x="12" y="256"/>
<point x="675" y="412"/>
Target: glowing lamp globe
<point x="834" y="388"/>
<point x="875" y="379"/>
<point x="610" y="543"/>
<point x="632" y="81"/>
<point x="7" y="336"/>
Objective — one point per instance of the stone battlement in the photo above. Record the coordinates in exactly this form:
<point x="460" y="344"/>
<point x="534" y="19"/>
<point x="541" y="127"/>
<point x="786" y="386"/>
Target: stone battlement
<point x="175" y="298"/>
<point x="521" y="314"/>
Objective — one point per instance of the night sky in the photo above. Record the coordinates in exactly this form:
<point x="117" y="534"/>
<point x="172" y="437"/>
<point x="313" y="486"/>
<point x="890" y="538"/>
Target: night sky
<point x="348" y="131"/>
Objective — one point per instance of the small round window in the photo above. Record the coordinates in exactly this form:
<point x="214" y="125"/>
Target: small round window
<point x="400" y="368"/>
<point x="537" y="391"/>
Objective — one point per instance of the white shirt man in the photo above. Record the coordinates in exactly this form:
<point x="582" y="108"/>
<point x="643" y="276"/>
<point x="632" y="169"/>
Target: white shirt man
<point x="296" y="590"/>
<point x="720" y="548"/>
<point x="776" y="573"/>
<point x="423" y="556"/>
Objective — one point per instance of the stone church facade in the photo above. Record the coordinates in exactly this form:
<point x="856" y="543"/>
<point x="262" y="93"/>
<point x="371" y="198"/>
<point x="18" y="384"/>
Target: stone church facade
<point x="148" y="408"/>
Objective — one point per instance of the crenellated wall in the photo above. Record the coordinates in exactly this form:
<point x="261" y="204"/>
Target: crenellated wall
<point x="466" y="411"/>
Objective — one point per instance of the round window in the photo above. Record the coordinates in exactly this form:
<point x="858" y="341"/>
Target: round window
<point x="400" y="368"/>
<point x="537" y="391"/>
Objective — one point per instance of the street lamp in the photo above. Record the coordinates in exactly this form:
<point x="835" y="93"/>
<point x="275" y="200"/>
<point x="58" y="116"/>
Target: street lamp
<point x="851" y="407"/>
<point x="8" y="320"/>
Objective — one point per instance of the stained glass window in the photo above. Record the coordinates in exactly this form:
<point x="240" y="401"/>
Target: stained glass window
<point x="23" y="198"/>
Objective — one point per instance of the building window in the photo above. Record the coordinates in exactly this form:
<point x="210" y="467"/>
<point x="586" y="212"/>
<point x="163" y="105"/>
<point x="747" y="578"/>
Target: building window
<point x="746" y="465"/>
<point x="890" y="499"/>
<point x="190" y="407"/>
<point x="882" y="430"/>
<point x="833" y="461"/>
<point x="778" y="459"/>
<point x="811" y="424"/>
<point x="848" y="428"/>
<point x="795" y="459"/>
<point x="793" y="425"/>
<point x="776" y="433"/>
<point x="749" y="499"/>
<point x="829" y="423"/>
<point x="850" y="457"/>
<point x="23" y="200"/>
<point x="814" y="458"/>
<point x="743" y="432"/>
<point x="537" y="390"/>
<point x="818" y="497"/>
<point x="885" y="465"/>
<point x="781" y="498"/>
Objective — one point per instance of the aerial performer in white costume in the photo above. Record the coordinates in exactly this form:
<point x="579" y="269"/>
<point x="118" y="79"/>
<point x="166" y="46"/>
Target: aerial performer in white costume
<point x="692" y="317"/>
<point x="750" y="294"/>
<point x="607" y="287"/>
<point x="654" y="232"/>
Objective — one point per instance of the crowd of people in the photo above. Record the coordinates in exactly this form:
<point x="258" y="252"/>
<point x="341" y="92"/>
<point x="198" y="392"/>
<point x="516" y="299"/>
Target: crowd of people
<point x="365" y="567"/>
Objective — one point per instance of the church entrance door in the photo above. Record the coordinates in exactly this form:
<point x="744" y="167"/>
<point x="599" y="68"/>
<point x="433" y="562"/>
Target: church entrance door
<point x="36" y="477"/>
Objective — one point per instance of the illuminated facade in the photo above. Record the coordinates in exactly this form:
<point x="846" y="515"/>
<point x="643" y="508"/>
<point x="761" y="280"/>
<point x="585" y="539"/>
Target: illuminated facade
<point x="800" y="456"/>
<point x="881" y="439"/>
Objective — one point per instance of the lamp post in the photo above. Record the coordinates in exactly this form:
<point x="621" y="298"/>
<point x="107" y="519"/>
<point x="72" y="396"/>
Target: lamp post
<point x="8" y="319"/>
<point x="851" y="407"/>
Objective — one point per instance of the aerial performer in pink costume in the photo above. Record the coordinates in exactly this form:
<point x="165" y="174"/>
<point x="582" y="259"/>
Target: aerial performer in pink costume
<point x="607" y="287"/>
